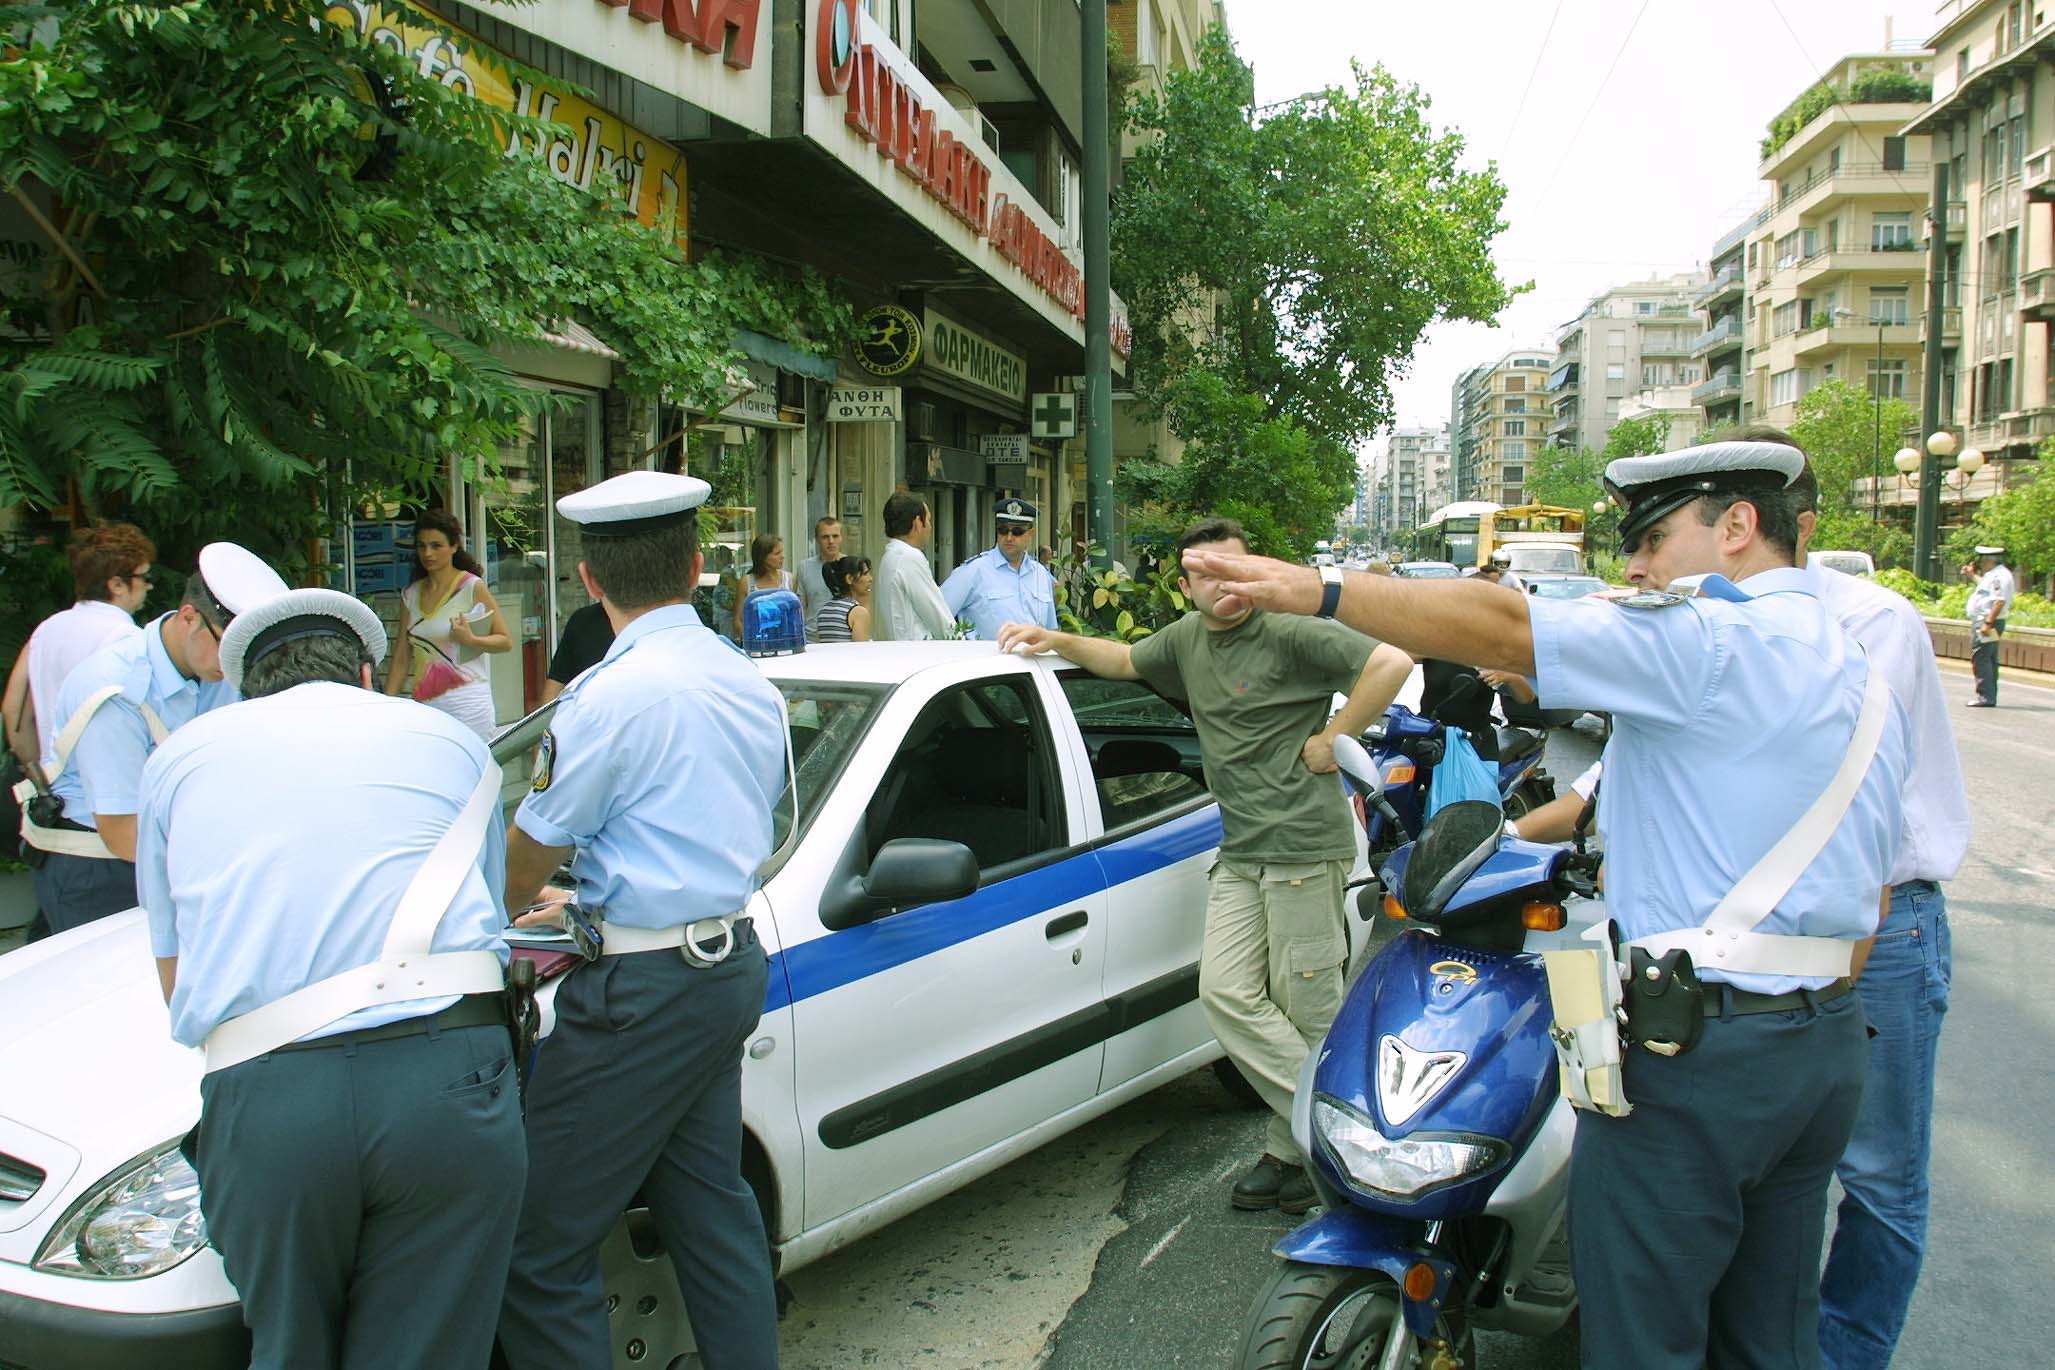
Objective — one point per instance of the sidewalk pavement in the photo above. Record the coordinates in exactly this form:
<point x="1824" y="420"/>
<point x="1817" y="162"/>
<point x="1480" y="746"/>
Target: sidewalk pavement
<point x="2006" y="674"/>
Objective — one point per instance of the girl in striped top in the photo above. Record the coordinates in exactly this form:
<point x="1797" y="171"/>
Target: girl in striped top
<point x="846" y="617"/>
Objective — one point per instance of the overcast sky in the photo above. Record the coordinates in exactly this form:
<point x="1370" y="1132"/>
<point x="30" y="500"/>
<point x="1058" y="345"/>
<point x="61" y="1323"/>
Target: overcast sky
<point x="1609" y="179"/>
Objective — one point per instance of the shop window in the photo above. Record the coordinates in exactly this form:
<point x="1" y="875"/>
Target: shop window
<point x="1145" y="751"/>
<point x="976" y="768"/>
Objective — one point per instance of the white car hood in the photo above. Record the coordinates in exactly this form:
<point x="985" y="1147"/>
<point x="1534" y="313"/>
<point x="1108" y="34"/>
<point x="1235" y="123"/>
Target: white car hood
<point x="89" y="1063"/>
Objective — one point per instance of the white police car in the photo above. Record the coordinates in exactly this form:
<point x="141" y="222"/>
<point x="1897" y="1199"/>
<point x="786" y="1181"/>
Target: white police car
<point x="918" y="1032"/>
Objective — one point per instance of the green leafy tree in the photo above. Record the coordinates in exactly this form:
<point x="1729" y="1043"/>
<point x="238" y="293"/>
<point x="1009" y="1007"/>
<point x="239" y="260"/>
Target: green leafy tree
<point x="2021" y="520"/>
<point x="276" y="259"/>
<point x="1842" y="429"/>
<point x="1291" y="255"/>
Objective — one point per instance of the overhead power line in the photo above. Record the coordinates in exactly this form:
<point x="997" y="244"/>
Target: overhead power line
<point x="1539" y="53"/>
<point x="1596" y="95"/>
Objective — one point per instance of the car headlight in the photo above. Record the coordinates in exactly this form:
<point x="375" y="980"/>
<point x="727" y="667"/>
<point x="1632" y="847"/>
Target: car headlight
<point x="1403" y="1167"/>
<point x="141" y="1220"/>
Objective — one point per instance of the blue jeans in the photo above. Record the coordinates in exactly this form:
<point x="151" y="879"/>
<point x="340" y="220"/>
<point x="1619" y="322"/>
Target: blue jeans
<point x="1881" y="1231"/>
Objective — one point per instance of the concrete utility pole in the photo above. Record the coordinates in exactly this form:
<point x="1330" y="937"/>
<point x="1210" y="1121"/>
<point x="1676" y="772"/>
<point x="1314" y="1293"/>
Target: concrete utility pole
<point x="1098" y="292"/>
<point x="1927" y="519"/>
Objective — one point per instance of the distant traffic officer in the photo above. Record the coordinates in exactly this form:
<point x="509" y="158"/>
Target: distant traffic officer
<point x="113" y="709"/>
<point x="323" y="901"/>
<point x="1740" y="713"/>
<point x="1989" y="603"/>
<point x="661" y="771"/>
<point x="1003" y="584"/>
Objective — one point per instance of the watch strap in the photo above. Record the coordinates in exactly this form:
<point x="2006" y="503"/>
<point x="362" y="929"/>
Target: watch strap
<point x="1330" y="591"/>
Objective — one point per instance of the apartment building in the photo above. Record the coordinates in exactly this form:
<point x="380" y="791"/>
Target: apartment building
<point x="1402" y="478"/>
<point x="1633" y="337"/>
<point x="1834" y="266"/>
<point x="1466" y="404"/>
<point x="1720" y="349"/>
<point x="1992" y="122"/>
<point x="1500" y="422"/>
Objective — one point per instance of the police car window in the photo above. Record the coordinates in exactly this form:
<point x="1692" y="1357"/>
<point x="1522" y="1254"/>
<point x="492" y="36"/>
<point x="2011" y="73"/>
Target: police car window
<point x="1145" y="750"/>
<point x="975" y="768"/>
<point x="828" y="719"/>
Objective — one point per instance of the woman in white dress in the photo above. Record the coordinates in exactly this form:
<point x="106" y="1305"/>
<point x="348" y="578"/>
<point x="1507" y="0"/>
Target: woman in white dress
<point x="450" y="621"/>
<point x="766" y="572"/>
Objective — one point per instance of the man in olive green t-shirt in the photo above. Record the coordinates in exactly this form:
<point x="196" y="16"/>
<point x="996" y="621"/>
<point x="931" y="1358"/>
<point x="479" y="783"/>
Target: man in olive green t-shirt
<point x="1260" y="687"/>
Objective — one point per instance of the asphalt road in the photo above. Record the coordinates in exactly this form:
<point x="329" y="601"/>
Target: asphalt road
<point x="1115" y="1246"/>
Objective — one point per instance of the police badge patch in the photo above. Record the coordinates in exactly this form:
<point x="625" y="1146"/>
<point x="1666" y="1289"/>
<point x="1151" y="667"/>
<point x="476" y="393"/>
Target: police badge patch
<point x="545" y="762"/>
<point x="1651" y="599"/>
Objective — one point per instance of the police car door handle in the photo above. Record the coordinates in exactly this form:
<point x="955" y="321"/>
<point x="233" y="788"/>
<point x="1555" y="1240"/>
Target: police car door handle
<point x="1068" y="923"/>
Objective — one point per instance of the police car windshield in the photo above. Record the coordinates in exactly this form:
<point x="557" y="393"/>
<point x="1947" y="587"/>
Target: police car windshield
<point x="829" y="717"/>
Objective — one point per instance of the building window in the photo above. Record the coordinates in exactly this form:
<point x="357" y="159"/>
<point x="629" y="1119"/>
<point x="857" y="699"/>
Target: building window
<point x="1784" y="318"/>
<point x="1890" y="304"/>
<point x="1644" y="306"/>
<point x="1894" y="153"/>
<point x="1890" y="232"/>
<point x="1514" y="475"/>
<point x="1515" y="384"/>
<point x="1516" y="406"/>
<point x="1962" y="64"/>
<point x="1512" y="451"/>
<point x="1516" y="428"/>
<point x="1786" y="387"/>
<point x="1616" y="371"/>
<point x="1789" y="249"/>
<point x="1887" y="378"/>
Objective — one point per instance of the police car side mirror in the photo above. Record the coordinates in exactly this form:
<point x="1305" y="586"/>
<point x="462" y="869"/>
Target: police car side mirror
<point x="906" y="872"/>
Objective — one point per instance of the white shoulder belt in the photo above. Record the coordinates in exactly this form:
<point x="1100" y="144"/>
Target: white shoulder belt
<point x="405" y="968"/>
<point x="66" y="840"/>
<point x="1728" y="940"/>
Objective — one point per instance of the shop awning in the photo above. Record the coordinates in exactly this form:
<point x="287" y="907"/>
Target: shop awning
<point x="573" y="336"/>
<point x="783" y="355"/>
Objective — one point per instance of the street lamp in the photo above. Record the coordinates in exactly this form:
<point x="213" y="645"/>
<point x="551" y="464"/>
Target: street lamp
<point x="1941" y="446"/>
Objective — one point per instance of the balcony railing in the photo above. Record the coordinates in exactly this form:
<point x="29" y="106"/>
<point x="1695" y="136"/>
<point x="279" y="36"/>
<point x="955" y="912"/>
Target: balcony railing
<point x="2038" y="180"/>
<point x="1727" y="329"/>
<point x="1958" y="218"/>
<point x="1724" y="386"/>
<point x="1727" y="282"/>
<point x="1951" y="325"/>
<point x="1912" y="175"/>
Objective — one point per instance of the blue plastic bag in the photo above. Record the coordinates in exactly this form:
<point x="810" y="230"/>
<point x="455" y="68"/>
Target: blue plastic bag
<point x="1461" y="774"/>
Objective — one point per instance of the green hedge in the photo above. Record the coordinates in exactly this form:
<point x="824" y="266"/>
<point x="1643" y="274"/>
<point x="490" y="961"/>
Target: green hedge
<point x="1934" y="601"/>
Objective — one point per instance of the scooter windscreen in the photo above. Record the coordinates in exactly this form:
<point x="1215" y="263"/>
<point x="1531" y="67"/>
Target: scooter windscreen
<point x="1454" y="844"/>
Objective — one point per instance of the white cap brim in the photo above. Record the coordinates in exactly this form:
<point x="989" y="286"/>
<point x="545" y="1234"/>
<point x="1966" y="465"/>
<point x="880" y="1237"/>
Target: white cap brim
<point x="347" y="614"/>
<point x="238" y="578"/>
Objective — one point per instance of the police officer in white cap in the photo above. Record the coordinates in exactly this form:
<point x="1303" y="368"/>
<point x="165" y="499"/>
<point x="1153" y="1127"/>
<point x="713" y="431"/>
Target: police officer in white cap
<point x="661" y="770"/>
<point x="112" y="709"/>
<point x="1004" y="584"/>
<point x="321" y="866"/>
<point x="1738" y="711"/>
<point x="1989" y="603"/>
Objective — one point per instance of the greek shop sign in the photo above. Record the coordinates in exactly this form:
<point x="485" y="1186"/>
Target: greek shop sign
<point x="593" y="148"/>
<point x="962" y="355"/>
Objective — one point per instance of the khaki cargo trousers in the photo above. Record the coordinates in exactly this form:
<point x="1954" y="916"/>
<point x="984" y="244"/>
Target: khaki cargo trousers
<point x="1270" y="974"/>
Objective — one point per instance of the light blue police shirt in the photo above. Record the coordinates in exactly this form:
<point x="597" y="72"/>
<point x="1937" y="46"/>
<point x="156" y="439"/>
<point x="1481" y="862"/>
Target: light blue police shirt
<point x="666" y="762"/>
<point x="991" y="593"/>
<point x="105" y="771"/>
<point x="1729" y="719"/>
<point x="278" y="834"/>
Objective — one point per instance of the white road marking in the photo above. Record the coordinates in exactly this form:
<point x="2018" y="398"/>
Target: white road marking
<point x="1168" y="1238"/>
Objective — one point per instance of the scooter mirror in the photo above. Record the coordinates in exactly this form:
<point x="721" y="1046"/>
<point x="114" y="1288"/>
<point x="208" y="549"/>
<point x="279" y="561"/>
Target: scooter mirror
<point x="1355" y="763"/>
<point x="1453" y="845"/>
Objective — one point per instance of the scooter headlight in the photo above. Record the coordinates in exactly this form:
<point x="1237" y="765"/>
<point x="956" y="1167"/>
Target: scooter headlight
<point x="141" y="1220"/>
<point x="1402" y="1167"/>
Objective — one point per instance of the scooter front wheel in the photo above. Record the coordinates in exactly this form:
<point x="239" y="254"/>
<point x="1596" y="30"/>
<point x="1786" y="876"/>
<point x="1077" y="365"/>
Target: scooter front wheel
<point x="1328" y="1317"/>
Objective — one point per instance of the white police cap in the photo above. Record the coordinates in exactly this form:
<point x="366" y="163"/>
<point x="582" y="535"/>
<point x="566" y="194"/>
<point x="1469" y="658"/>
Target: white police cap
<point x="634" y="502"/>
<point x="1990" y="551"/>
<point x="292" y="616"/>
<point x="233" y="580"/>
<point x="1651" y="487"/>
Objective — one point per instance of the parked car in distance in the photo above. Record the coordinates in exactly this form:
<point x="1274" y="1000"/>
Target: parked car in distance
<point x="921" y="1028"/>
<point x="1848" y="563"/>
<point x="1566" y="587"/>
<point x="1428" y="570"/>
<point x="1545" y="558"/>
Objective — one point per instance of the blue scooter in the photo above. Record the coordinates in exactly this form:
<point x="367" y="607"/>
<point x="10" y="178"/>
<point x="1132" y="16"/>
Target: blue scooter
<point x="1405" y="746"/>
<point x="1434" y="1128"/>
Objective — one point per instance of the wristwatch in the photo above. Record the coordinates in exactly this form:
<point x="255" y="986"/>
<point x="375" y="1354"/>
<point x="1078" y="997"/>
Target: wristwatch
<point x="1330" y="590"/>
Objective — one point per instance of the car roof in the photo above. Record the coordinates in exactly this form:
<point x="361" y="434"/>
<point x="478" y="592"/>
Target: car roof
<point x="882" y="663"/>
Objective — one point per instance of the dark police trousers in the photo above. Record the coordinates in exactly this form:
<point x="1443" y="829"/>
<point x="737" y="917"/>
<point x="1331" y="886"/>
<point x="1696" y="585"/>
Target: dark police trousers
<point x="362" y="1197"/>
<point x="639" y="1090"/>
<point x="73" y="891"/>
<point x="1696" y="1221"/>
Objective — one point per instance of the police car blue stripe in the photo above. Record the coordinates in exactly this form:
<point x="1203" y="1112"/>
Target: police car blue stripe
<point x="842" y="958"/>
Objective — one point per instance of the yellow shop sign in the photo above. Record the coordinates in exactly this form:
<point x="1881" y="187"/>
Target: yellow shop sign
<point x="593" y="148"/>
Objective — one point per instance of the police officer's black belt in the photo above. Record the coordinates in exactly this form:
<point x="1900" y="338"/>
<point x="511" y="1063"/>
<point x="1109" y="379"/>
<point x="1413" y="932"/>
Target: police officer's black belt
<point x="472" y="1010"/>
<point x="1724" y="1001"/>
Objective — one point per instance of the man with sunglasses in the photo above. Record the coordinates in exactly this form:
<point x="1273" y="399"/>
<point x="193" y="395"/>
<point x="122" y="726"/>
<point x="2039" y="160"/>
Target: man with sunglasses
<point x="112" y="711"/>
<point x="1004" y="584"/>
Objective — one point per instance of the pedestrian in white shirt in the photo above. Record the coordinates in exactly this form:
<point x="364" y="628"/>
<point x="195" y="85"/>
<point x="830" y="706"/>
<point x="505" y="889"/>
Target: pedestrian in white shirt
<point x="907" y="605"/>
<point x="110" y="574"/>
<point x="827" y="547"/>
<point x="1989" y="603"/>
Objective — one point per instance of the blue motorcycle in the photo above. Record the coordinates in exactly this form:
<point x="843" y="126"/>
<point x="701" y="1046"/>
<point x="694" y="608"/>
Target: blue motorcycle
<point x="1434" y="1129"/>
<point x="1405" y="747"/>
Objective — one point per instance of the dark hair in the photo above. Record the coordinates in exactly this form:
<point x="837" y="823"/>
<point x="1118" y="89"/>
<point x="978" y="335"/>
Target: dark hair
<point x="760" y="549"/>
<point x="648" y="568"/>
<point x="331" y="657"/>
<point x="842" y="572"/>
<point x="1212" y="530"/>
<point x="444" y="522"/>
<point x="900" y="512"/>
<point x="1776" y="511"/>
<point x="108" y="552"/>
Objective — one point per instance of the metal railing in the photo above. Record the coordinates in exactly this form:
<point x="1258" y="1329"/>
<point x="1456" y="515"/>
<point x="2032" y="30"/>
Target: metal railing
<point x="1723" y="386"/>
<point x="1913" y="175"/>
<point x="1720" y="332"/>
<point x="1729" y="279"/>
